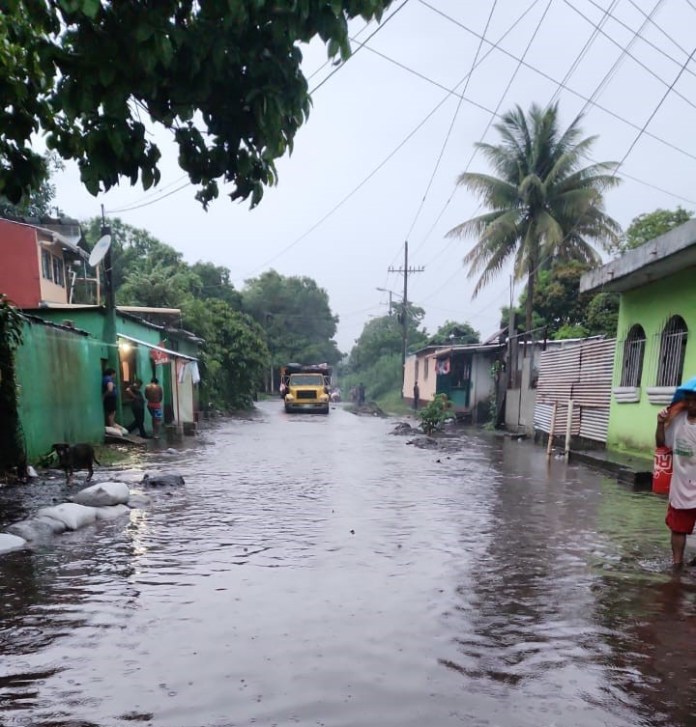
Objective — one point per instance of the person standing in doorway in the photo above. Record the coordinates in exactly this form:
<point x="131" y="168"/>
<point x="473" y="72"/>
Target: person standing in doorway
<point x="134" y="394"/>
<point x="678" y="432"/>
<point x="109" y="397"/>
<point x="416" y="396"/>
<point x="154" y="396"/>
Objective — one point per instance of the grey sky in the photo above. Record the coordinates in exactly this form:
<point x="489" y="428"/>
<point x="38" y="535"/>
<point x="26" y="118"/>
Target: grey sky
<point x="370" y="105"/>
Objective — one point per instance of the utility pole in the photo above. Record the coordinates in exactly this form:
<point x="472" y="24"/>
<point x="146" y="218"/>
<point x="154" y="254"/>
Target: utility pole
<point x="109" y="297"/>
<point x="405" y="271"/>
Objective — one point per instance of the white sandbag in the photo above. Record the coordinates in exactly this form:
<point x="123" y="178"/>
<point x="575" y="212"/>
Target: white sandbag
<point x="57" y="526"/>
<point x="138" y="500"/>
<point x="113" y="431"/>
<point x="103" y="494"/>
<point x="112" y="512"/>
<point x="31" y="472"/>
<point x="74" y="516"/>
<point x="34" y="531"/>
<point x="11" y="542"/>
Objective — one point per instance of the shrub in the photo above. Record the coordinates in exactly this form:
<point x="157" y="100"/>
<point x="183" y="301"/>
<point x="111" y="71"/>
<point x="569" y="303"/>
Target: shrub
<point x="434" y="415"/>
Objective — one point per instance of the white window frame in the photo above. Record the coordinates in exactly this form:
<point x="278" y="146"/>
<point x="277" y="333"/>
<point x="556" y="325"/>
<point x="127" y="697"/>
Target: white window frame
<point x="633" y="357"/>
<point x="670" y="365"/>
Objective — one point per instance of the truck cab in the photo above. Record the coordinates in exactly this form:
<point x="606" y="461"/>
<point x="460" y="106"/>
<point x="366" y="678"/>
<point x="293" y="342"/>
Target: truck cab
<point x="306" y="389"/>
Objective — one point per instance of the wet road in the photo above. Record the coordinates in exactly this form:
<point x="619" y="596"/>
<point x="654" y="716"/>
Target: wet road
<point x="317" y="571"/>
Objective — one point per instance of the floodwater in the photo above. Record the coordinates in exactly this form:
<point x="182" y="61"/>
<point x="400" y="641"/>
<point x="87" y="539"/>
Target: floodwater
<point x="317" y="571"/>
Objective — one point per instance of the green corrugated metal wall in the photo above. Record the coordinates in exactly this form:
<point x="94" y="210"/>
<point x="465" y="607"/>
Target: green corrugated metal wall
<point x="59" y="378"/>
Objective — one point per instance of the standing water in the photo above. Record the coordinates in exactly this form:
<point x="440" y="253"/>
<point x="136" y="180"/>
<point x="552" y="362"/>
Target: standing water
<point x="316" y="571"/>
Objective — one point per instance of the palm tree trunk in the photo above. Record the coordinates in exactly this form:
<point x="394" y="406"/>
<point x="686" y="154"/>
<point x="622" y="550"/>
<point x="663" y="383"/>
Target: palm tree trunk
<point x="531" y="280"/>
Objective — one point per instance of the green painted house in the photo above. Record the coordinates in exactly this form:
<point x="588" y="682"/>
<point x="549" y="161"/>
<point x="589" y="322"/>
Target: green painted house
<point x="58" y="377"/>
<point x="656" y="337"/>
<point x="139" y="349"/>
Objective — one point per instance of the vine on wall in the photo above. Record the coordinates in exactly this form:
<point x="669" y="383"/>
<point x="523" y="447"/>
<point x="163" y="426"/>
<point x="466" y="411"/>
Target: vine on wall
<point x="12" y="453"/>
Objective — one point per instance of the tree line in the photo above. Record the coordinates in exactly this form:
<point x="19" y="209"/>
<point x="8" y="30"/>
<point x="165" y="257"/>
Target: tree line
<point x="248" y="333"/>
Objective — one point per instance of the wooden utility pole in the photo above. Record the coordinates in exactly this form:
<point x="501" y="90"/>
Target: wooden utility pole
<point x="405" y="271"/>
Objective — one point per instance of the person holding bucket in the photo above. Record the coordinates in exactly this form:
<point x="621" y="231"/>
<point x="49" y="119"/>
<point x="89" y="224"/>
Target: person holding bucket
<point x="676" y="429"/>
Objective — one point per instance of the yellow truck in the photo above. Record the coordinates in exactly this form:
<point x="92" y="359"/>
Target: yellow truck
<point x="305" y="387"/>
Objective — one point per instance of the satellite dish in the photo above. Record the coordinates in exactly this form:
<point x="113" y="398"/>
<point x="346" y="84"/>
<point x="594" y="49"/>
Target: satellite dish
<point x="99" y="250"/>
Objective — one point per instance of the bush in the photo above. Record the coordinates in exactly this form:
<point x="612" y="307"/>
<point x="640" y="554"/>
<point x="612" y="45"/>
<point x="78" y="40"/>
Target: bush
<point x="434" y="415"/>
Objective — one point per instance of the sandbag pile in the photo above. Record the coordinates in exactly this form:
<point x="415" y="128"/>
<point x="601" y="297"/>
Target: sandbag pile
<point x="102" y="501"/>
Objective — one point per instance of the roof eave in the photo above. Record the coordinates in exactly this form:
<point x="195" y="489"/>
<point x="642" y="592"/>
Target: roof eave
<point x="665" y="255"/>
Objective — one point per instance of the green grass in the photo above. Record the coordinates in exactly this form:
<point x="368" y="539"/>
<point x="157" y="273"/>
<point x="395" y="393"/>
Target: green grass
<point x="392" y="403"/>
<point x="110" y="455"/>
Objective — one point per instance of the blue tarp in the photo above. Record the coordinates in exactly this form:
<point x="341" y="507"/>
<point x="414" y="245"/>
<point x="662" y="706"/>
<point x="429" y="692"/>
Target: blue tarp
<point x="689" y="386"/>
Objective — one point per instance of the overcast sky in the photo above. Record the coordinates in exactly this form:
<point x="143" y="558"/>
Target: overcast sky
<point x="369" y="107"/>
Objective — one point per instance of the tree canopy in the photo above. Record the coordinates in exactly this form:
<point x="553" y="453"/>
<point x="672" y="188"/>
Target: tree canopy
<point x="39" y="201"/>
<point x="544" y="206"/>
<point x="148" y="272"/>
<point x="223" y="77"/>
<point x="649" y="225"/>
<point x="563" y="311"/>
<point x="375" y="359"/>
<point x="451" y="332"/>
<point x="296" y="315"/>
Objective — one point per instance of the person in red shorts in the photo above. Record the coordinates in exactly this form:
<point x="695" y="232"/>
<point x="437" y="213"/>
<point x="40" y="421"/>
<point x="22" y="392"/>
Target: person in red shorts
<point x="678" y="432"/>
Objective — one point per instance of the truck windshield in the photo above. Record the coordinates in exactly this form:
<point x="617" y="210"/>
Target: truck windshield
<point x="306" y="380"/>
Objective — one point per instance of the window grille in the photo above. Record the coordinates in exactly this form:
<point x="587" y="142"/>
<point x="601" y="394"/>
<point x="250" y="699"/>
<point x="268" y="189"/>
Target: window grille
<point x="633" y="354"/>
<point x="672" y="351"/>
<point x="47" y="265"/>
<point x="426" y="366"/>
<point x="58" y="277"/>
<point x="417" y="362"/>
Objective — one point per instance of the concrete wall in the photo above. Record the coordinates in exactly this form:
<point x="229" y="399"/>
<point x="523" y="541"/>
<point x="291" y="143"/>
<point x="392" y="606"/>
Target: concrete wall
<point x="482" y="382"/>
<point x="52" y="291"/>
<point x="632" y="425"/>
<point x="59" y="377"/>
<point x="520" y="403"/>
<point x="426" y="382"/>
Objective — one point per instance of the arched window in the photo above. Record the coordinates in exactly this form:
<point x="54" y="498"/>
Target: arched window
<point x="633" y="352"/>
<point x="672" y="350"/>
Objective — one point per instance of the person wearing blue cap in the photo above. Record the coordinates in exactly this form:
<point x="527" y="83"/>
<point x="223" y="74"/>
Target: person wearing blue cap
<point x="676" y="429"/>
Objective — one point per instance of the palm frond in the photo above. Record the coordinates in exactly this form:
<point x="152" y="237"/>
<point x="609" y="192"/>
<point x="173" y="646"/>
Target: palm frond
<point x="492" y="191"/>
<point x="545" y="203"/>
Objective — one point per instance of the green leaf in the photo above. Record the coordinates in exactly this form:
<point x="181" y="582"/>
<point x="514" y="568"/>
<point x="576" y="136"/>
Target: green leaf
<point x="90" y="8"/>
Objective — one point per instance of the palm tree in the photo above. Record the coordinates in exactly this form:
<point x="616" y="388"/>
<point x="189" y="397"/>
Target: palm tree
<point x="544" y="205"/>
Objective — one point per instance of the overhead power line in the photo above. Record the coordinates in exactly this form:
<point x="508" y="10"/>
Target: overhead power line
<point x="403" y="142"/>
<point x="648" y="19"/>
<point x="143" y="203"/>
<point x="584" y="50"/>
<point x="329" y="61"/>
<point x="146" y="199"/>
<point x="473" y="68"/>
<point x="656" y="109"/>
<point x="369" y="37"/>
<point x="547" y="76"/>
<point x="452" y="123"/>
<point x="630" y="55"/>
<point x="151" y="201"/>
<point x="493" y="115"/>
<point x="453" y="92"/>
<point x="617" y="63"/>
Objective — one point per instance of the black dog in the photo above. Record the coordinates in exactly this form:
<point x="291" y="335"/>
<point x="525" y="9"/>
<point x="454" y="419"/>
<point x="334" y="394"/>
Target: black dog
<point x="73" y="457"/>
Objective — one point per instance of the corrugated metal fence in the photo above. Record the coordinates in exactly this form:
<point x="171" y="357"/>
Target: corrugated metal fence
<point x="582" y="373"/>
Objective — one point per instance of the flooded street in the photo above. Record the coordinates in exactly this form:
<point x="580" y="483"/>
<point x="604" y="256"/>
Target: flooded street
<point x="317" y="571"/>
